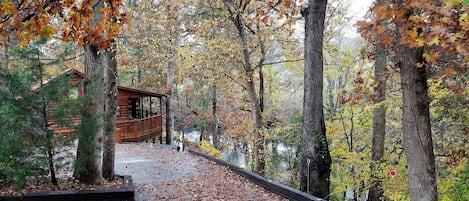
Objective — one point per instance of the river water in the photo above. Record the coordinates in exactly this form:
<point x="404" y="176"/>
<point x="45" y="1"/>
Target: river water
<point x="281" y="155"/>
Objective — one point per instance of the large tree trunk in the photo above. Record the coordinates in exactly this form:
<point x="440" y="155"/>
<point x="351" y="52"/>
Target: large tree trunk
<point x="110" y="118"/>
<point x="88" y="163"/>
<point x="169" y="102"/>
<point x="172" y="66"/>
<point x="89" y="152"/>
<point x="418" y="145"/>
<point x="379" y="124"/>
<point x="416" y="128"/>
<point x="314" y="143"/>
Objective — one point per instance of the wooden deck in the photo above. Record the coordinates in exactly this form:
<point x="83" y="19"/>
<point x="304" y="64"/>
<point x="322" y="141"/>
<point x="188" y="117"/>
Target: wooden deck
<point x="139" y="130"/>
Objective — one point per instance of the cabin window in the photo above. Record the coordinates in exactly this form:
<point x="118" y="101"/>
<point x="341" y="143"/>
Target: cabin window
<point x="134" y="105"/>
<point x="73" y="94"/>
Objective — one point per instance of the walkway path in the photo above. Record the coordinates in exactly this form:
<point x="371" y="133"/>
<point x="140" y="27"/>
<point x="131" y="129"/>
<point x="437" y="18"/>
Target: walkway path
<point x="164" y="174"/>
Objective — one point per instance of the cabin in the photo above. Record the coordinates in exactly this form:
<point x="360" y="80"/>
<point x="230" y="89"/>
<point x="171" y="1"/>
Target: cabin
<point x="139" y="112"/>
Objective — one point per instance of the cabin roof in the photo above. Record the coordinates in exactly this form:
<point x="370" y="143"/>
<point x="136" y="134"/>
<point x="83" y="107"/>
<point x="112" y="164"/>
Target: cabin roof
<point x="71" y="71"/>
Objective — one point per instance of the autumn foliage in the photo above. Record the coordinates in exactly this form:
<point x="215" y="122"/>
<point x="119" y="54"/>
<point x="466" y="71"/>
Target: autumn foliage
<point x="441" y="27"/>
<point x="68" y="20"/>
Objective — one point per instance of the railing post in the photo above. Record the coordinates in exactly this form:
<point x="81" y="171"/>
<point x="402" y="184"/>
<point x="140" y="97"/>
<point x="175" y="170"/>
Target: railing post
<point x="134" y="129"/>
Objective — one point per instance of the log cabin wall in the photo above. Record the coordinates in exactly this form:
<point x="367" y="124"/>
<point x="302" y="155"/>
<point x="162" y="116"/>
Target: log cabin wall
<point x="75" y="78"/>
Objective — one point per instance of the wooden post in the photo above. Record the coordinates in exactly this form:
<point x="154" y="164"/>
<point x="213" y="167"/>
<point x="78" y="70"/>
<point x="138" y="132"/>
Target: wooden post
<point x="151" y="113"/>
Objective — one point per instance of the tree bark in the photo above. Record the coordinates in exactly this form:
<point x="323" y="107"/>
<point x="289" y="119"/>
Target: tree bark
<point x="88" y="167"/>
<point x="88" y="163"/>
<point x="379" y="124"/>
<point x="216" y="137"/>
<point x="110" y="118"/>
<point x="49" y="133"/>
<point x="172" y="65"/>
<point x="418" y="145"/>
<point x="416" y="127"/>
<point x="314" y="143"/>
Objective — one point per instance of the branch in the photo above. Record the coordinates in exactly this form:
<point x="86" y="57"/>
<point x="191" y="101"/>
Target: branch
<point x="67" y="59"/>
<point x="280" y="62"/>
<point x="231" y="78"/>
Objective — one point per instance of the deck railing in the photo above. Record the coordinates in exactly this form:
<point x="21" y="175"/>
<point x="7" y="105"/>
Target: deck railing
<point x="139" y="129"/>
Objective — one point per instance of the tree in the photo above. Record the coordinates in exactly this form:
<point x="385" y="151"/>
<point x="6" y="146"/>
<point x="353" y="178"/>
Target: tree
<point x="111" y="108"/>
<point x="26" y="113"/>
<point x="379" y="121"/>
<point x="89" y="159"/>
<point x="84" y="23"/>
<point x="423" y="34"/>
<point x="314" y="146"/>
<point x="236" y="17"/>
<point x="110" y="118"/>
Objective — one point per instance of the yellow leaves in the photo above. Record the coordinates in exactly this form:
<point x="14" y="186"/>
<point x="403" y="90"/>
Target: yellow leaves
<point x="415" y="18"/>
<point x="47" y="32"/>
<point x="464" y="22"/>
<point x="453" y="3"/>
<point x="435" y="41"/>
<point x="8" y="8"/>
<point x="464" y="17"/>
<point x="431" y="57"/>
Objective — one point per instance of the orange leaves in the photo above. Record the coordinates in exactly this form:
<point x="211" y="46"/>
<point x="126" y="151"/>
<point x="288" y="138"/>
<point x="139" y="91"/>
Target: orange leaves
<point x="287" y="3"/>
<point x="384" y="12"/>
<point x="34" y="21"/>
<point x="386" y="40"/>
<point x="449" y="71"/>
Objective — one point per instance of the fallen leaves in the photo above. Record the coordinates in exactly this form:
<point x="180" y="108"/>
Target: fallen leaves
<point x="209" y="182"/>
<point x="64" y="184"/>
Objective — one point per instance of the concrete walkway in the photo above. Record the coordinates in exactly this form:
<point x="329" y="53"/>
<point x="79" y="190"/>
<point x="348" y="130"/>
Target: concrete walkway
<point x="151" y="164"/>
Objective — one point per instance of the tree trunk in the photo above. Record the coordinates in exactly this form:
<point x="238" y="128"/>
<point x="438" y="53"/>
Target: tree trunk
<point x="314" y="143"/>
<point x="418" y="145"/>
<point x="216" y="137"/>
<point x="172" y="65"/>
<point x="88" y="163"/>
<point x="379" y="124"/>
<point x="49" y="133"/>
<point x="169" y="119"/>
<point x="416" y="127"/>
<point x="110" y="118"/>
<point x="258" y="149"/>
<point x="88" y="167"/>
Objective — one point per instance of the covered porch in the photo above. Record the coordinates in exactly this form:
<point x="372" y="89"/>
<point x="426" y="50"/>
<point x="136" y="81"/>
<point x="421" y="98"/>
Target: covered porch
<point x="139" y="116"/>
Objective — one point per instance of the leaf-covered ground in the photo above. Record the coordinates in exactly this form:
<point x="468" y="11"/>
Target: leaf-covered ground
<point x="164" y="174"/>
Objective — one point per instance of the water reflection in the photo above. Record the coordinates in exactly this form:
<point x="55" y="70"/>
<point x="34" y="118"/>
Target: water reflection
<point x="280" y="155"/>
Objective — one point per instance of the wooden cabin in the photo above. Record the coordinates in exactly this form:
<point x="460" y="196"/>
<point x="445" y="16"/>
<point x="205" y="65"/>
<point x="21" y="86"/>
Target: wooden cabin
<point x="139" y="112"/>
<point x="139" y="115"/>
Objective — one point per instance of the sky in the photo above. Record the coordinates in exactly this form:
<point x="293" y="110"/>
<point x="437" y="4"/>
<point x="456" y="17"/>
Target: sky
<point x="359" y="7"/>
<point x="357" y="10"/>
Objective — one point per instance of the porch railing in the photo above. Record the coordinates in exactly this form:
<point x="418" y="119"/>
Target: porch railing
<point x="139" y="129"/>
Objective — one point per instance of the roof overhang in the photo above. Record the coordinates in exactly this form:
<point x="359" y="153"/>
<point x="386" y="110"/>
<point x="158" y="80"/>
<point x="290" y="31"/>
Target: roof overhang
<point x="72" y="71"/>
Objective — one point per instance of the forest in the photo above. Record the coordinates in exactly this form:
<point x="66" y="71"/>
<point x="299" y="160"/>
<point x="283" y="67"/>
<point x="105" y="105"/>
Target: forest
<point x="305" y="92"/>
